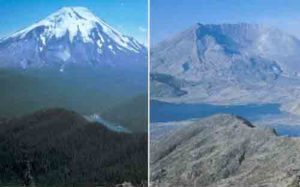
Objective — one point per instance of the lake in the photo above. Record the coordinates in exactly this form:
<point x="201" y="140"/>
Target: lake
<point x="165" y="112"/>
<point x="288" y="130"/>
<point x="168" y="112"/>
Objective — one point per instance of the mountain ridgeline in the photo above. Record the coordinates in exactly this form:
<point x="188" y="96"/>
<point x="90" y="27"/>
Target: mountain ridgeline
<point x="57" y="147"/>
<point x="222" y="151"/>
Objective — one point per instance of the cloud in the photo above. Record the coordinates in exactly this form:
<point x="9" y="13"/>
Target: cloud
<point x="142" y="29"/>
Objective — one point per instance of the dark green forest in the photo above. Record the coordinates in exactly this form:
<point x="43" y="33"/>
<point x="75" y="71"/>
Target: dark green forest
<point x="57" y="147"/>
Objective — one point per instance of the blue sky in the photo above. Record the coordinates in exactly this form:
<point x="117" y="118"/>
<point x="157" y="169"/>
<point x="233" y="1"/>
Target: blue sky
<point x="171" y="16"/>
<point x="127" y="16"/>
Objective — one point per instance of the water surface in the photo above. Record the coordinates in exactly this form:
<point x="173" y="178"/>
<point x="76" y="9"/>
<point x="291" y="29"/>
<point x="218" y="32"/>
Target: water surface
<point x="168" y="112"/>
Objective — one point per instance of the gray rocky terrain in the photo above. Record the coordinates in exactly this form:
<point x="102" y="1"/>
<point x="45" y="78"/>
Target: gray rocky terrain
<point x="223" y="151"/>
<point x="226" y="64"/>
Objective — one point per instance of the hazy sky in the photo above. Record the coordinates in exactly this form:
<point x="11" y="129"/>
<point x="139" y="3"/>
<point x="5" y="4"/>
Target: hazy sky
<point x="171" y="16"/>
<point x="127" y="16"/>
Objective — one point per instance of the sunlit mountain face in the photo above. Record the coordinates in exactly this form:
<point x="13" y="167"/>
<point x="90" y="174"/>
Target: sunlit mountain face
<point x="72" y="35"/>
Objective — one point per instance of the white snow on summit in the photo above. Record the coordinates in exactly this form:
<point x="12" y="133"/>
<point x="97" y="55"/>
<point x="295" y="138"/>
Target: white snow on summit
<point x="72" y="35"/>
<point x="74" y="20"/>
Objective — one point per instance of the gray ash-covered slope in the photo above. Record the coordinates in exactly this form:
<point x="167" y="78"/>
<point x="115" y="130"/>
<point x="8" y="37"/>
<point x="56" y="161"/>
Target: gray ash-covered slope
<point x="224" y="151"/>
<point x="57" y="147"/>
<point x="226" y="60"/>
<point x="72" y="35"/>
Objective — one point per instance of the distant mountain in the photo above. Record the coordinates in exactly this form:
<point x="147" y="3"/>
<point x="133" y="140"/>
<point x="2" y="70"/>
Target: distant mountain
<point x="223" y="151"/>
<point x="132" y="113"/>
<point x="225" y="62"/>
<point x="84" y="90"/>
<point x="72" y="35"/>
<point x="56" y="147"/>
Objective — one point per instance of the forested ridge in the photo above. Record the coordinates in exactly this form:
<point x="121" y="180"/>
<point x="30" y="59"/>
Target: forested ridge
<point x="56" y="147"/>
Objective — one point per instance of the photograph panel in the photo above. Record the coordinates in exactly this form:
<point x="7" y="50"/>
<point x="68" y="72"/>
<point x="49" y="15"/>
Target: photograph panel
<point x="224" y="93"/>
<point x="74" y="93"/>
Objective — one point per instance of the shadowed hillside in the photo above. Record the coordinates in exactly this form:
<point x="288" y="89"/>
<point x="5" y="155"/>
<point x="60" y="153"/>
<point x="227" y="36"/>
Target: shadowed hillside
<point x="57" y="147"/>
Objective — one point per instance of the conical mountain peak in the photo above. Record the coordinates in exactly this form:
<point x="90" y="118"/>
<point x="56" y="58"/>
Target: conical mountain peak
<point x="71" y="34"/>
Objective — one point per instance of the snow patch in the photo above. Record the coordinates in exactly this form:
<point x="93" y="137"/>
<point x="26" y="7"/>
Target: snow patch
<point x="99" y="43"/>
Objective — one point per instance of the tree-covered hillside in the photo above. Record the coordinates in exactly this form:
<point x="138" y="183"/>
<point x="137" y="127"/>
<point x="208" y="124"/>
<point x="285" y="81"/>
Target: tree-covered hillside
<point x="56" y="147"/>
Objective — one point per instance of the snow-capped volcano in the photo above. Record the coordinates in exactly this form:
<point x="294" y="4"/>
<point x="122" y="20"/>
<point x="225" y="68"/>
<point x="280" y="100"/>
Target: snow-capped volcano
<point x="70" y="35"/>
